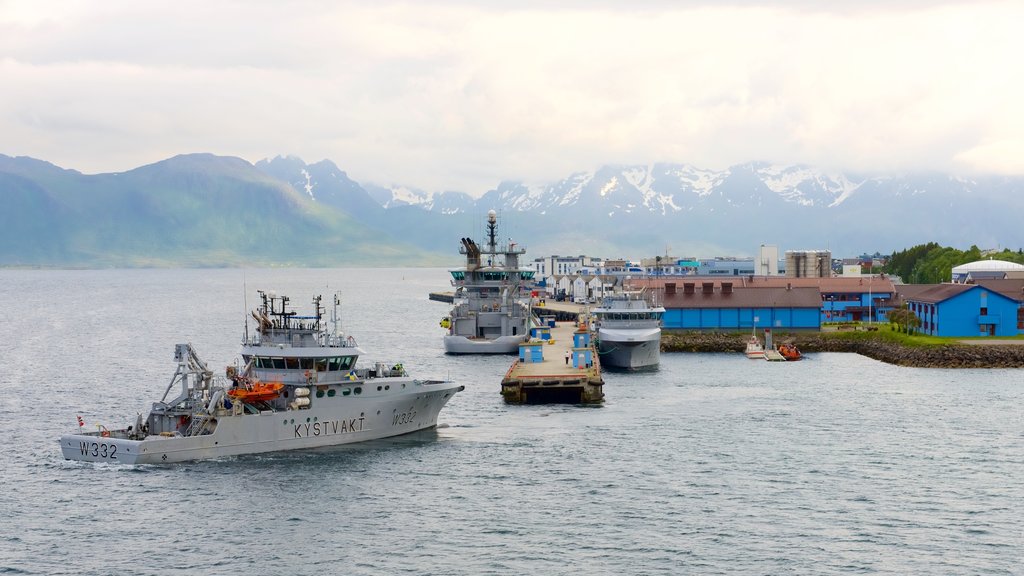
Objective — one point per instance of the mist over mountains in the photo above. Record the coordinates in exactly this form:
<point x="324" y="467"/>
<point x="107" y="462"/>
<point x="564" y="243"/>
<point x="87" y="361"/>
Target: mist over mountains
<point x="206" y="210"/>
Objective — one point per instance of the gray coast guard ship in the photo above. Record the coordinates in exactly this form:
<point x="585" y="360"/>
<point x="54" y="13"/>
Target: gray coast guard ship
<point x="299" y="387"/>
<point x="491" y="313"/>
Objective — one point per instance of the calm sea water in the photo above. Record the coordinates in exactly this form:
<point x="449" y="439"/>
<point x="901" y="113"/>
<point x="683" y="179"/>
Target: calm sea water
<point x="714" y="464"/>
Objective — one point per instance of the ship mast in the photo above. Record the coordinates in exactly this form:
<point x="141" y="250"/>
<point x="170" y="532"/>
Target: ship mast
<point x="492" y="226"/>
<point x="335" y="316"/>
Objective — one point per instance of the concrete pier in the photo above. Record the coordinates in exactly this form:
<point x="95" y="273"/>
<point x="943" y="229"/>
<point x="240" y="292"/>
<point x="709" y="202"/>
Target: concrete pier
<point x="542" y="375"/>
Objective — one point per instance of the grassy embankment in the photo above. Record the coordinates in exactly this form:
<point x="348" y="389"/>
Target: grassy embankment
<point x="883" y="344"/>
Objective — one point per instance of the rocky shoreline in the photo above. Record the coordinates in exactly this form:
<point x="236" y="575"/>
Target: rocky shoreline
<point x="938" y="356"/>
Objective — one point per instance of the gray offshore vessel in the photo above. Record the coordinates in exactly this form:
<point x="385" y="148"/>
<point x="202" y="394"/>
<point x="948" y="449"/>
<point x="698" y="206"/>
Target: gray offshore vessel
<point x="299" y="387"/>
<point x="492" y="302"/>
<point x="628" y="330"/>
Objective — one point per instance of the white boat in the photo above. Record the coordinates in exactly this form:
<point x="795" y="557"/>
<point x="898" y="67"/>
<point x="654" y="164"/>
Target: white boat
<point x="755" y="350"/>
<point x="299" y="387"/>
<point x="491" y="313"/>
<point x="628" y="330"/>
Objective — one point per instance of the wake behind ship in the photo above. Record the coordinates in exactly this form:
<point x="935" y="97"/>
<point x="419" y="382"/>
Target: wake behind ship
<point x="299" y="388"/>
<point x="492" y="308"/>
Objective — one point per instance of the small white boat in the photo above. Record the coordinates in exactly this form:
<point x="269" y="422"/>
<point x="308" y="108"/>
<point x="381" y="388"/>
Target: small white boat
<point x="755" y="350"/>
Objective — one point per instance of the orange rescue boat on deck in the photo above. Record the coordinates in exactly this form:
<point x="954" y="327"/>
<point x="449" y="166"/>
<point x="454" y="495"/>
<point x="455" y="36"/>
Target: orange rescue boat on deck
<point x="256" y="391"/>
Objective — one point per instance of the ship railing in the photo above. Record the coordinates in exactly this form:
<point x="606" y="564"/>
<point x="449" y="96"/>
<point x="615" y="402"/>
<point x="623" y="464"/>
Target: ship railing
<point x="323" y="340"/>
<point x="338" y="341"/>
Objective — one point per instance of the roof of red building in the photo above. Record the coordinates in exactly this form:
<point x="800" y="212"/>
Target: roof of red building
<point x="936" y="292"/>
<point x="1012" y="288"/>
<point x="745" y="298"/>
<point x="837" y="284"/>
<point x="932" y="293"/>
<point x="909" y="291"/>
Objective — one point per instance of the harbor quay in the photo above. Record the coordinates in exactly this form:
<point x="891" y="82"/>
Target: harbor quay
<point x="978" y="353"/>
<point x="557" y="364"/>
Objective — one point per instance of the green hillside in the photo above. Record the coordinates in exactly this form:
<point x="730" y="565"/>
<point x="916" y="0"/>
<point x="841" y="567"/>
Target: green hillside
<point x="193" y="210"/>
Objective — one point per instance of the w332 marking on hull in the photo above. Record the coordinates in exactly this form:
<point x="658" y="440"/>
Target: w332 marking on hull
<point x="98" y="449"/>
<point x="404" y="418"/>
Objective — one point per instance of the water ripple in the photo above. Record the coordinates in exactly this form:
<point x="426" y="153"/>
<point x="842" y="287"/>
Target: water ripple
<point x="712" y="464"/>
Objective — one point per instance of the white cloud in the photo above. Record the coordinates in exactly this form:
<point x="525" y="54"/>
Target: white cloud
<point x="458" y="96"/>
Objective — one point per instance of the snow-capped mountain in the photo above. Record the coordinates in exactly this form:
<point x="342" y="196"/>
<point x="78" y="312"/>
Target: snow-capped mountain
<point x="441" y="202"/>
<point x="669" y="188"/>
<point x="645" y="208"/>
<point x="738" y="208"/>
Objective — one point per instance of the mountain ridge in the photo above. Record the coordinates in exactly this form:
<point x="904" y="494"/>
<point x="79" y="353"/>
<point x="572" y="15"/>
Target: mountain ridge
<point x="204" y="209"/>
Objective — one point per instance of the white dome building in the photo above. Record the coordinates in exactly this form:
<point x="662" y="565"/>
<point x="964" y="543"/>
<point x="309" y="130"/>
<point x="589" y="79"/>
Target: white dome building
<point x="986" y="270"/>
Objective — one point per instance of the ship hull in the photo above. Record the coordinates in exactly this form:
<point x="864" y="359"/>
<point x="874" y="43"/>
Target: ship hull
<point x="412" y="406"/>
<point x="501" y="345"/>
<point x="630" y="349"/>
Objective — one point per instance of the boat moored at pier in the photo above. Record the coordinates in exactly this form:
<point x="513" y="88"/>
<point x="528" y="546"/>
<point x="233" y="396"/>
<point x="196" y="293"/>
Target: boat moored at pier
<point x="790" y="352"/>
<point x="491" y="312"/>
<point x="628" y="327"/>
<point x="754" y="349"/>
<point x="298" y="386"/>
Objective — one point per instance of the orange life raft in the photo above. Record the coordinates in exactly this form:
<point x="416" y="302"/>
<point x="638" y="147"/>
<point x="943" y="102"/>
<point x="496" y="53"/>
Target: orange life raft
<point x="256" y="392"/>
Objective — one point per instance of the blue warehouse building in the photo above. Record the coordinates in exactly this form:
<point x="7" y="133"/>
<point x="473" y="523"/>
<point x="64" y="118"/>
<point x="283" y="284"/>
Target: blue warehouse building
<point x="843" y="299"/>
<point x="725" y="307"/>
<point x="775" y="300"/>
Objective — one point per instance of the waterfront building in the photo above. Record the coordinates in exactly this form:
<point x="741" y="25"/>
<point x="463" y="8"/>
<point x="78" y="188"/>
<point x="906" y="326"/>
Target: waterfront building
<point x="987" y="308"/>
<point x="850" y="299"/>
<point x="808" y="263"/>
<point x="583" y="286"/>
<point x="725" y="266"/>
<point x="767" y="260"/>
<point x="738" y="266"/>
<point x="664" y="265"/>
<point x="548" y="267"/>
<point x="851" y="268"/>
<point x="986" y="270"/>
<point x="707" y="306"/>
<point x="866" y="298"/>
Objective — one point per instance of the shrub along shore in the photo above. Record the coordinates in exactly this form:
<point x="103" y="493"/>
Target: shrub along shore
<point x="881" y="345"/>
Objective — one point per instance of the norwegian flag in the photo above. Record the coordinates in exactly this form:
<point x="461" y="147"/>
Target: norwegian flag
<point x="80" y="422"/>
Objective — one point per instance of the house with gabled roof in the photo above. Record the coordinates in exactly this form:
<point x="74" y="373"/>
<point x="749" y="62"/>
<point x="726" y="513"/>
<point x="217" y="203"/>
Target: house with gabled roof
<point x="988" y="308"/>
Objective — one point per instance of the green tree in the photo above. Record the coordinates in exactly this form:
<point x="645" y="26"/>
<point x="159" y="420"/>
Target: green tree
<point x="931" y="263"/>
<point x="904" y="320"/>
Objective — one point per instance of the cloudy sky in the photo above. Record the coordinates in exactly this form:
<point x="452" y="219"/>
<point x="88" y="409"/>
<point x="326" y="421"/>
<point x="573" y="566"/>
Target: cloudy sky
<point x="459" y="95"/>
